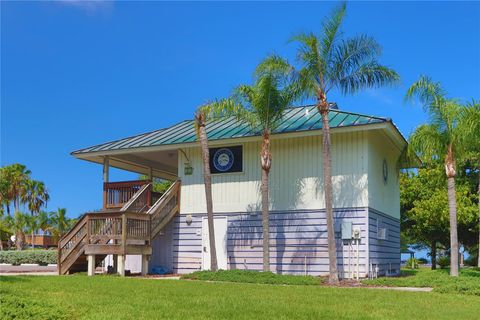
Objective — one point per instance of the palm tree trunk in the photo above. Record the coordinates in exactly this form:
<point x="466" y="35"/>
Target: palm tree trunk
<point x="266" y="161"/>
<point x="452" y="208"/>
<point x="479" y="214"/>
<point x="207" y="178"/>
<point x="18" y="232"/>
<point x="433" y="253"/>
<point x="327" y="181"/>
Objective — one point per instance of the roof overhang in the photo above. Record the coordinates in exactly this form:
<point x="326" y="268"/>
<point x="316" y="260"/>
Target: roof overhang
<point x="130" y="159"/>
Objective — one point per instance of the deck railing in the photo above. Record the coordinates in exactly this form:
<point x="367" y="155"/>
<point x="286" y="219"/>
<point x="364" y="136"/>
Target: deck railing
<point x="105" y="233"/>
<point x="117" y="194"/>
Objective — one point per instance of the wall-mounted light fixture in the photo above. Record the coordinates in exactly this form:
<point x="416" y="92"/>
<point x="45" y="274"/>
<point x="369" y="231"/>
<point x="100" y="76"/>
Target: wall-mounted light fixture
<point x="188" y="169"/>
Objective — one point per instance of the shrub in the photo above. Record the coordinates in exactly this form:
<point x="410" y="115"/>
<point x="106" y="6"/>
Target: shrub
<point x="42" y="257"/>
<point x="422" y="261"/>
<point x="443" y="262"/>
<point x="412" y="263"/>
<point x="250" y="276"/>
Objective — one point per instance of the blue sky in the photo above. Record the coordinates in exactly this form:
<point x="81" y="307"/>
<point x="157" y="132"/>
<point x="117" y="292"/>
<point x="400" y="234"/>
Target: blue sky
<point x="77" y="74"/>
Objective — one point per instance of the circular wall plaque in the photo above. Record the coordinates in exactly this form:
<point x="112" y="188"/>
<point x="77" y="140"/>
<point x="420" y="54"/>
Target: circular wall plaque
<point x="223" y="159"/>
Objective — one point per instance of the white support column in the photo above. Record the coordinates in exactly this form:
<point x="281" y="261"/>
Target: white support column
<point x="91" y="264"/>
<point x="145" y="259"/>
<point x="106" y="169"/>
<point x="121" y="265"/>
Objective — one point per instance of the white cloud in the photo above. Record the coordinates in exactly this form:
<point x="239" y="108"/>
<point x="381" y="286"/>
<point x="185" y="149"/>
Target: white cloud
<point x="89" y="6"/>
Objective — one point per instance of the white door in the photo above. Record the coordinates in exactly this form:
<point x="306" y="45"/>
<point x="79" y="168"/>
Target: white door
<point x="220" y="226"/>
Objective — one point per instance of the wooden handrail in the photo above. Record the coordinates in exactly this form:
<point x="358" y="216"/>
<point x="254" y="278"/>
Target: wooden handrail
<point x="117" y="194"/>
<point x="165" y="208"/>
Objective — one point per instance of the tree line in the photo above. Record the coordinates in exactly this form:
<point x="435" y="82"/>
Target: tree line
<point x="22" y="204"/>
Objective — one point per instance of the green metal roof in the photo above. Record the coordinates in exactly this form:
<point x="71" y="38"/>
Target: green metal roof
<point x="295" y="119"/>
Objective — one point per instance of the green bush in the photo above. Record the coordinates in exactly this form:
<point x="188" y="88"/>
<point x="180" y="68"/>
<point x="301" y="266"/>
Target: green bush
<point x="412" y="263"/>
<point x="249" y="276"/>
<point x="42" y="257"/>
<point x="443" y="262"/>
<point x="422" y="261"/>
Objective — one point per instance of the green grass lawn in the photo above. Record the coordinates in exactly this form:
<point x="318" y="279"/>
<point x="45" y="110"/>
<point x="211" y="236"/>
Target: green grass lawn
<point x="107" y="297"/>
<point x="467" y="283"/>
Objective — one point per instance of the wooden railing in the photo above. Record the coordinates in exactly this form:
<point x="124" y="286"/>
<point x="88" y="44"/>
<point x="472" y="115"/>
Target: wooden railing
<point x="117" y="194"/>
<point x="102" y="233"/>
<point x="164" y="209"/>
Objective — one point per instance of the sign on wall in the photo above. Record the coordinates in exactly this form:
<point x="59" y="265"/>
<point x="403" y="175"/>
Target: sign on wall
<point x="226" y="159"/>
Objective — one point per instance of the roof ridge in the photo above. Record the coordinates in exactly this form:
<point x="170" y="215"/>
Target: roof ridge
<point x="342" y="111"/>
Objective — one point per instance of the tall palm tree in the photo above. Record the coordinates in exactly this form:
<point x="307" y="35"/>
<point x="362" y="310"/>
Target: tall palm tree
<point x="470" y="127"/>
<point x="350" y="65"/>
<point x="36" y="196"/>
<point x="261" y="105"/>
<point x="205" y="113"/>
<point x="200" y="123"/>
<point x="18" y="178"/>
<point x="441" y="139"/>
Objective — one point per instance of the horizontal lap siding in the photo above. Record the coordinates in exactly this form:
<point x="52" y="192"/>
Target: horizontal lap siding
<point x="298" y="241"/>
<point x="384" y="253"/>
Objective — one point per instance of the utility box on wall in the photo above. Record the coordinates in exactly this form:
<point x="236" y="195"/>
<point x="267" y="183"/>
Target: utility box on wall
<point x="347" y="232"/>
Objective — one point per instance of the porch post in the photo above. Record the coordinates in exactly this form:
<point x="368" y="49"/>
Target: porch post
<point x="150" y="173"/>
<point x="106" y="167"/>
<point x="121" y="265"/>
<point x="91" y="264"/>
<point x="145" y="259"/>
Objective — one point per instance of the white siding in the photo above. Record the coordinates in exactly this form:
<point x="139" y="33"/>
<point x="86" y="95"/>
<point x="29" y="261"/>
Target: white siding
<point x="384" y="197"/>
<point x="295" y="179"/>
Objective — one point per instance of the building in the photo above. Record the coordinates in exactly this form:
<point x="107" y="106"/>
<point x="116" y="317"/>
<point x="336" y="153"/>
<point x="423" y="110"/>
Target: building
<point x="365" y="158"/>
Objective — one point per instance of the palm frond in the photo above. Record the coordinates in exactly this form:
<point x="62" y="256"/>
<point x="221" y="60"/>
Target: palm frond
<point x="330" y="32"/>
<point x="428" y="143"/>
<point x="426" y="91"/>
<point x="368" y="75"/>
<point x="350" y="54"/>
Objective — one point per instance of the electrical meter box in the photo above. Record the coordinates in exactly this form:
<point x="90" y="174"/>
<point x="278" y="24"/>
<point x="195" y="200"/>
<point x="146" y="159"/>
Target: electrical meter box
<point x="347" y="230"/>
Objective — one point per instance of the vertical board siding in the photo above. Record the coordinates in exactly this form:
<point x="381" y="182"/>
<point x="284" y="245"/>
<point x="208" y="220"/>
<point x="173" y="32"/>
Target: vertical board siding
<point x="298" y="242"/>
<point x="295" y="178"/>
<point x="382" y="196"/>
<point x="384" y="253"/>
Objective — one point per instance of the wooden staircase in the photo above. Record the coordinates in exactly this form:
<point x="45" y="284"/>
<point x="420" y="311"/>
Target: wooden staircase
<point x="118" y="232"/>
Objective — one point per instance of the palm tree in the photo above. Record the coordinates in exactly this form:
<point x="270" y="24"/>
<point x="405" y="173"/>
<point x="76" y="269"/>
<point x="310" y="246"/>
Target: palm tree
<point x="205" y="113"/>
<point x="200" y="122"/>
<point x="17" y="223"/>
<point x="17" y="177"/>
<point x="470" y="126"/>
<point x="36" y="196"/>
<point x="31" y="226"/>
<point x="441" y="139"/>
<point x="60" y="222"/>
<point x="350" y="65"/>
<point x="261" y="106"/>
<point x="45" y="221"/>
